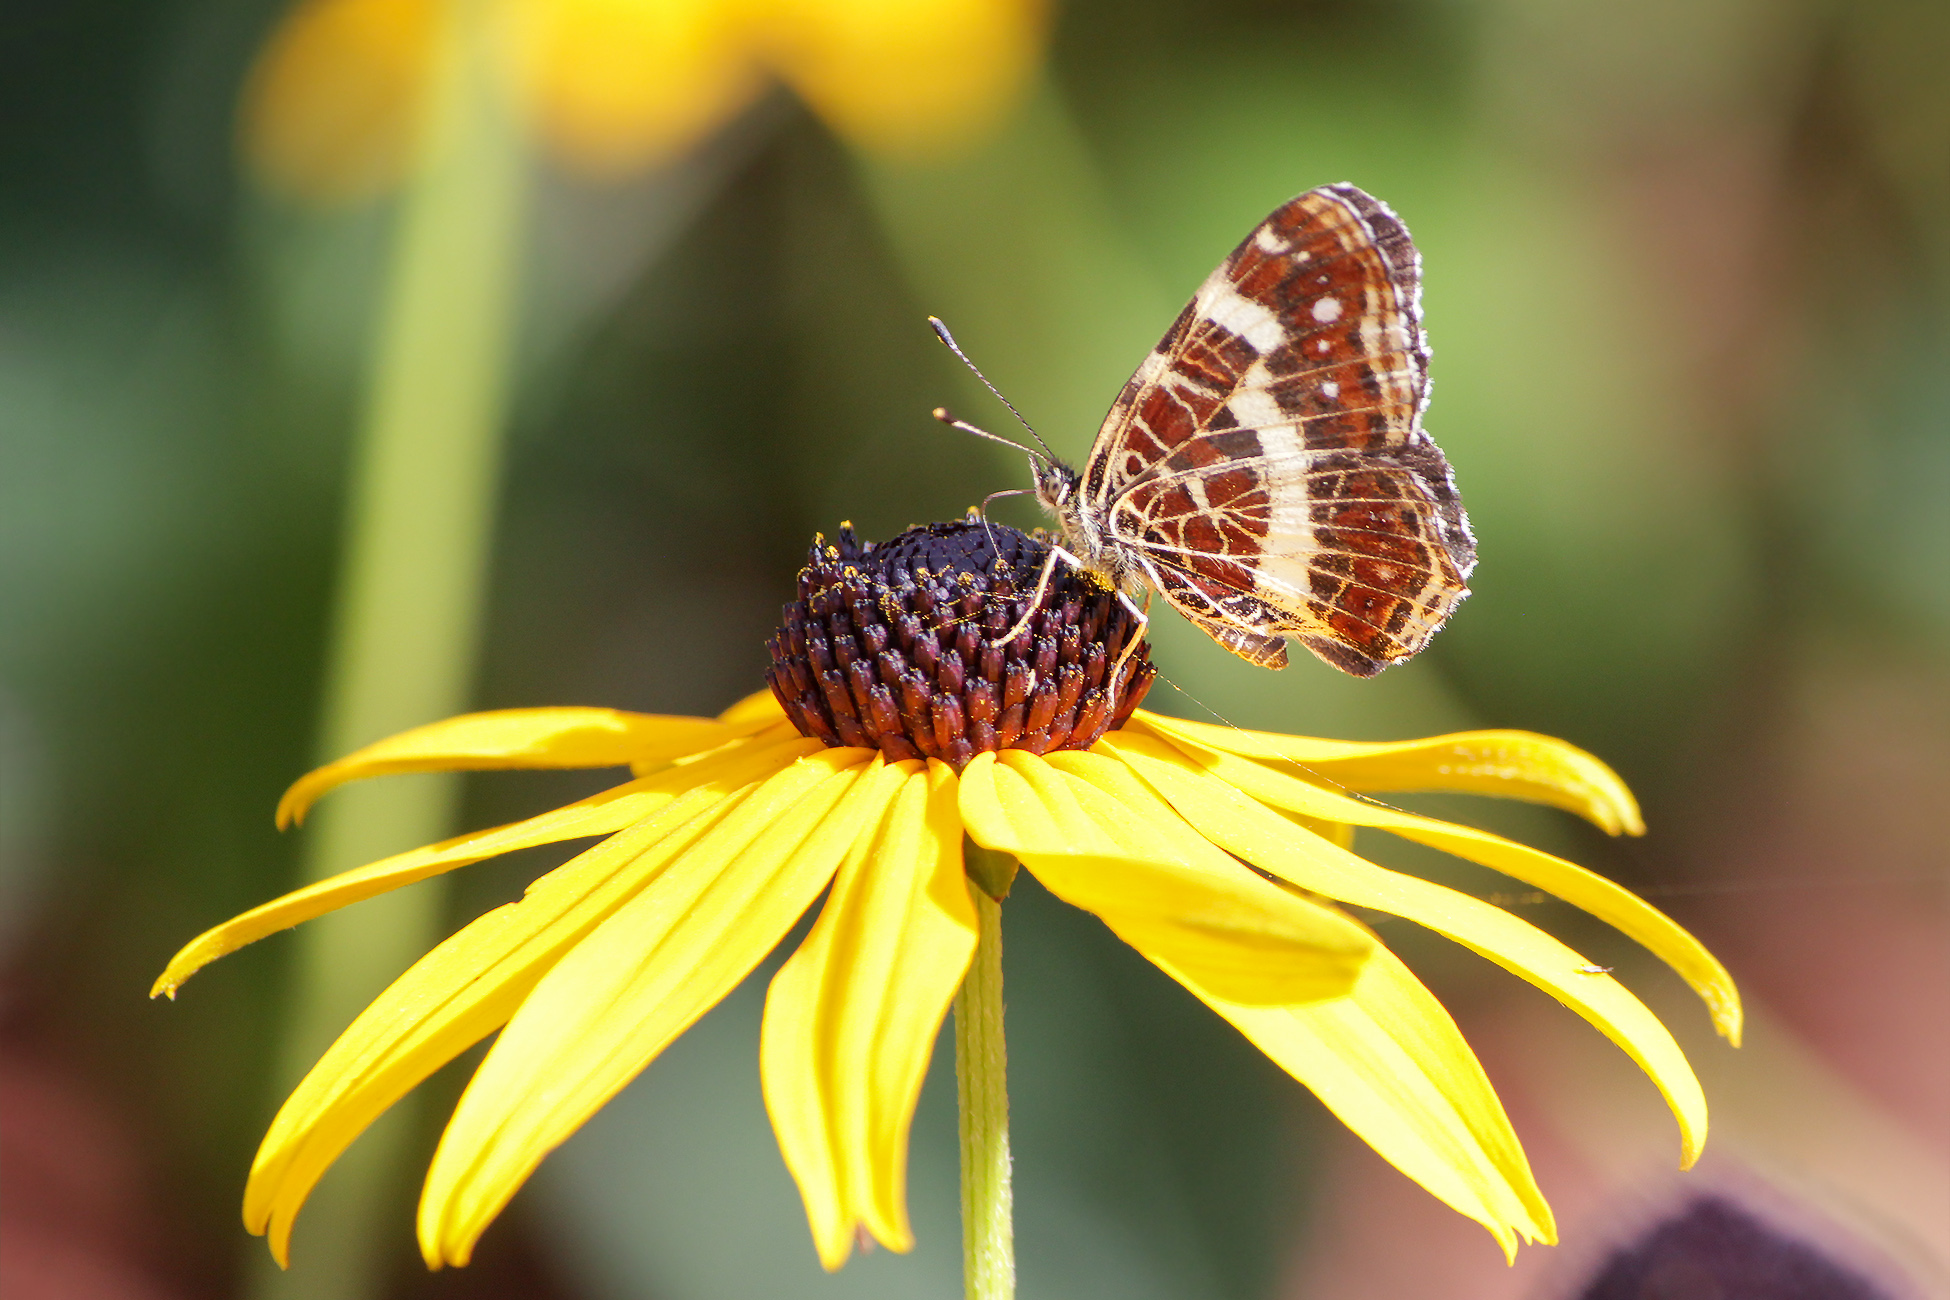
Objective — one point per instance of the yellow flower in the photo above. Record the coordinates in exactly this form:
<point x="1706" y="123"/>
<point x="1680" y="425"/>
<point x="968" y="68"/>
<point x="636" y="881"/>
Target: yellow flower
<point x="733" y="827"/>
<point x="612" y="86"/>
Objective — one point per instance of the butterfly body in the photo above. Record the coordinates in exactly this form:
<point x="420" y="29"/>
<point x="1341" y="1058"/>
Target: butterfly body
<point x="1265" y="470"/>
<point x="1059" y="490"/>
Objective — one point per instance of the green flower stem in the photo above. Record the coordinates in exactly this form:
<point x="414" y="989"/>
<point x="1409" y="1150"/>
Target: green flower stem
<point x="420" y="517"/>
<point x="982" y="1088"/>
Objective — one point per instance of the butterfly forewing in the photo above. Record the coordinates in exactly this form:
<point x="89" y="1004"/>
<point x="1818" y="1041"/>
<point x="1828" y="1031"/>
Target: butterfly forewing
<point x="1266" y="468"/>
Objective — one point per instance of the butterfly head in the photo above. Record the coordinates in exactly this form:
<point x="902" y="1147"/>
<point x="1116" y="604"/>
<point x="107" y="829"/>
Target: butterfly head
<point x="1057" y="485"/>
<point x="1060" y="490"/>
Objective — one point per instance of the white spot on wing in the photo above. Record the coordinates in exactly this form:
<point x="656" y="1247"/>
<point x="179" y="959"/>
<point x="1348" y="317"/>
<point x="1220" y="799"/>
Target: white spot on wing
<point x="1281" y="578"/>
<point x="1293" y="517"/>
<point x="1373" y="324"/>
<point x="1327" y="310"/>
<point x="1240" y="315"/>
<point x="1255" y="408"/>
<point x="1279" y="441"/>
<point x="1324" y="346"/>
<point x="1330" y="390"/>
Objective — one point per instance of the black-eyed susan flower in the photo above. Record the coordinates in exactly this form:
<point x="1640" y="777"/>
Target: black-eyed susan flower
<point x="897" y="724"/>
<point x="612" y="86"/>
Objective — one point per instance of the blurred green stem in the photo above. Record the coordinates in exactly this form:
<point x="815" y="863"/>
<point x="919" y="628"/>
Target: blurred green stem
<point x="982" y="1089"/>
<point x="419" y="523"/>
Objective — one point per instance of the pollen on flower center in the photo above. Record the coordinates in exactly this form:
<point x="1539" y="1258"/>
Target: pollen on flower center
<point x="899" y="646"/>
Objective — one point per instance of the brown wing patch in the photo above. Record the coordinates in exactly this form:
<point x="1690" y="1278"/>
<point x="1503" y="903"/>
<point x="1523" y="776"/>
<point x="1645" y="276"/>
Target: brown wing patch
<point x="1344" y="554"/>
<point x="1215" y="608"/>
<point x="1323" y="298"/>
<point x="1266" y="465"/>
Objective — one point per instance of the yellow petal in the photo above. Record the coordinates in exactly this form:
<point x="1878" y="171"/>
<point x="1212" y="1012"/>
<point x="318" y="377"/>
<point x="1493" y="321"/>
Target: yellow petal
<point x="597" y="815"/>
<point x="458" y="994"/>
<point x="331" y="110"/>
<point x="1391" y="1065"/>
<point x="641" y="978"/>
<point x="1100" y="841"/>
<point x="851" y="1019"/>
<point x="1262" y="837"/>
<point x="758" y="710"/>
<point x="1339" y="833"/>
<point x="1505" y="764"/>
<point x="907" y="77"/>
<point x="614" y="85"/>
<point x="511" y="738"/>
<point x="1604" y="899"/>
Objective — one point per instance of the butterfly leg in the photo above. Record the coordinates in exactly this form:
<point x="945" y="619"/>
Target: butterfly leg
<point x="1042" y="588"/>
<point x="982" y="512"/>
<point x="1143" y="617"/>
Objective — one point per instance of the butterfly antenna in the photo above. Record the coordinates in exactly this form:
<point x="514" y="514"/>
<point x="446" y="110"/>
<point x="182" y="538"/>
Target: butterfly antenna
<point x="941" y="332"/>
<point x="942" y="414"/>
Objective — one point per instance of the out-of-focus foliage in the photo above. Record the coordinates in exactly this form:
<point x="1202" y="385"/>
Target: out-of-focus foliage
<point x="1688" y="267"/>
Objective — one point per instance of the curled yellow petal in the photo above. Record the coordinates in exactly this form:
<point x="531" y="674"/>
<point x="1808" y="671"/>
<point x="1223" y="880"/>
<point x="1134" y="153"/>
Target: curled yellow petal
<point x="331" y="111"/>
<point x="459" y="993"/>
<point x="639" y="979"/>
<point x="1390" y="1064"/>
<point x="513" y="738"/>
<point x="851" y="1019"/>
<point x="1100" y="841"/>
<point x="912" y="78"/>
<point x="614" y="85"/>
<point x="597" y="815"/>
<point x="1505" y="764"/>
<point x="1244" y="827"/>
<point x="1602" y="898"/>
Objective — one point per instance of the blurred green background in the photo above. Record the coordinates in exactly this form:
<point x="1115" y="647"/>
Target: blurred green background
<point x="1687" y="272"/>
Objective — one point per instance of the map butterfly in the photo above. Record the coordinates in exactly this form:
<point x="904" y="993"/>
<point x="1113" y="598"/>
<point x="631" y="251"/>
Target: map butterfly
<point x="1265" y="470"/>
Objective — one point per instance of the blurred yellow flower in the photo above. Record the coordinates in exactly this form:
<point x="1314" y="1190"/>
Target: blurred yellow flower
<point x="332" y="107"/>
<point x="897" y="724"/>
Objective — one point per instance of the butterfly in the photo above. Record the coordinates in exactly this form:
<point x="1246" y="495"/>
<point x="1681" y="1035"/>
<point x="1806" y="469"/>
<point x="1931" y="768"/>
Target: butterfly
<point x="1266" y="470"/>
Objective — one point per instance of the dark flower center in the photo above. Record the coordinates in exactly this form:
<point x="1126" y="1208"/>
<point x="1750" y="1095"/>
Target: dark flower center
<point x="899" y="646"/>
